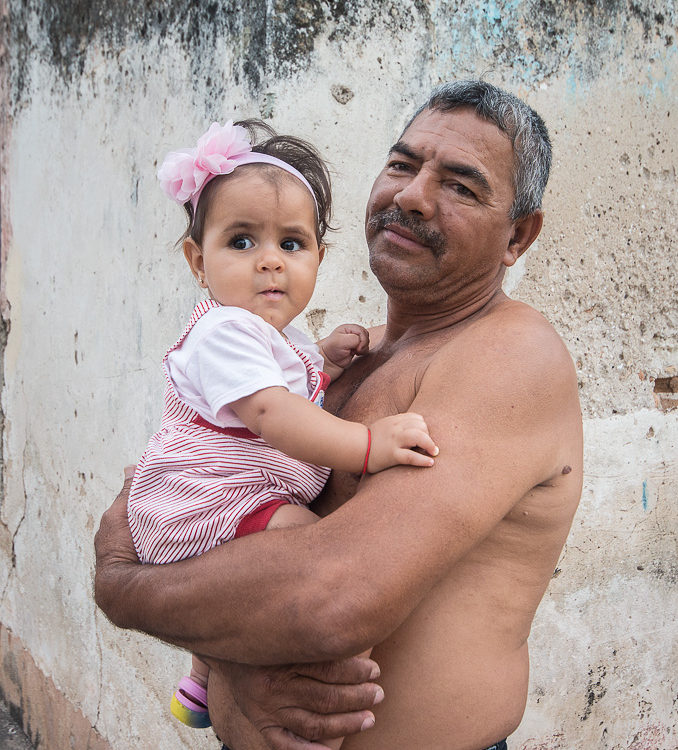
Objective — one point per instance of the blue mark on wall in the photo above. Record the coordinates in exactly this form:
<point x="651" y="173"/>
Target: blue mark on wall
<point x="644" y="494"/>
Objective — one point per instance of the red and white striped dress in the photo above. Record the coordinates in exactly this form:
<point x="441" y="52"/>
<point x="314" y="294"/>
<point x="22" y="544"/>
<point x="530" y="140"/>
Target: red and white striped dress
<point x="196" y="482"/>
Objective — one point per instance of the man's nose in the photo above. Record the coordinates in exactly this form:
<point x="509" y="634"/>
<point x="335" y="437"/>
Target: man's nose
<point x="417" y="197"/>
<point x="270" y="258"/>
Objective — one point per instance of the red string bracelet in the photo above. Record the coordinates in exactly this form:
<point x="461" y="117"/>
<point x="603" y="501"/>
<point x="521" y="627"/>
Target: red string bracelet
<point x="367" y="455"/>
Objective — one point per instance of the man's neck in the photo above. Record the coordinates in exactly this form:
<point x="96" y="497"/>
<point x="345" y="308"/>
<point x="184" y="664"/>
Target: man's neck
<point x="405" y="321"/>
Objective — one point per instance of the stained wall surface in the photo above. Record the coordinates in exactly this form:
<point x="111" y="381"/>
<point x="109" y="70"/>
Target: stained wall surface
<point x="93" y="94"/>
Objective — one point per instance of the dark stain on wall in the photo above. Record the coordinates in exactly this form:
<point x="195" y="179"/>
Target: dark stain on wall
<point x="276" y="38"/>
<point x="595" y="690"/>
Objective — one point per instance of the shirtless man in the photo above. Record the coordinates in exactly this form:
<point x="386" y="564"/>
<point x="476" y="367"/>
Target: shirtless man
<point x="442" y="569"/>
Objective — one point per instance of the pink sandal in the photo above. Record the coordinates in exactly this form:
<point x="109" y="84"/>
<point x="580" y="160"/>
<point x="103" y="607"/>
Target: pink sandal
<point x="189" y="704"/>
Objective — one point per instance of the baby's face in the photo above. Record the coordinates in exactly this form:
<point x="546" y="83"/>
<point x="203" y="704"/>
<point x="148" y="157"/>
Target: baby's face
<point x="259" y="249"/>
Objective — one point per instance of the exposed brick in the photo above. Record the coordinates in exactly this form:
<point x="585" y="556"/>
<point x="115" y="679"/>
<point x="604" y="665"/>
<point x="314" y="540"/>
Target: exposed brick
<point x="47" y="717"/>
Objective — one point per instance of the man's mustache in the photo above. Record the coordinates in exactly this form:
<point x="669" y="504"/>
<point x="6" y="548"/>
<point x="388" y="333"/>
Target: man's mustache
<point x="429" y="237"/>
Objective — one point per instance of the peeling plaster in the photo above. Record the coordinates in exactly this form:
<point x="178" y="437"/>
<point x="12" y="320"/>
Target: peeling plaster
<point x="117" y="84"/>
<point x="6" y="535"/>
<point x="273" y="39"/>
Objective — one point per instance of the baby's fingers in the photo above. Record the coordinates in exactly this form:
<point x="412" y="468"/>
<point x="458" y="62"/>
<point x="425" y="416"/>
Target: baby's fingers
<point x="425" y="442"/>
<point x="409" y="420"/>
<point x="414" y="434"/>
<point x="363" y="341"/>
<point x="409" y="457"/>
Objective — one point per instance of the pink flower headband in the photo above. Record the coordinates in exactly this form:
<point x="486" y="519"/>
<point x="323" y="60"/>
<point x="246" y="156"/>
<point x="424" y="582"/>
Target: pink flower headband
<point x="184" y="174"/>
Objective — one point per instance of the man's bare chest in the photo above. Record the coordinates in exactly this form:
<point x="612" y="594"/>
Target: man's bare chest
<point x="375" y="386"/>
<point x="380" y="384"/>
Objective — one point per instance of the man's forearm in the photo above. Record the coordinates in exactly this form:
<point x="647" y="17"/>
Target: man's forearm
<point x="176" y="604"/>
<point x="189" y="604"/>
<point x="257" y="600"/>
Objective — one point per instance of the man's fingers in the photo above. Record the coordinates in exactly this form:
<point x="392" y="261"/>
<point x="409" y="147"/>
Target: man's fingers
<point x="114" y="527"/>
<point x="278" y="738"/>
<point x="302" y="699"/>
<point x="316" y="727"/>
<point x="351" y="671"/>
<point x="112" y="545"/>
<point x="324" y="698"/>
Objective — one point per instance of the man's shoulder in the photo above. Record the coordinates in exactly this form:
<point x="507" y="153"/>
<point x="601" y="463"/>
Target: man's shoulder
<point x="513" y="315"/>
<point x="511" y="339"/>
<point x="506" y="376"/>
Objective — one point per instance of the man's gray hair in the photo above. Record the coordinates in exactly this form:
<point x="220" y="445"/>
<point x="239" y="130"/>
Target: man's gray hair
<point x="525" y="128"/>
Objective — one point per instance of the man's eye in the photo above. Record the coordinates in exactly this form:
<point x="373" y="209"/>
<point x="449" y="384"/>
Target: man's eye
<point x="242" y="243"/>
<point x="463" y="190"/>
<point x="290" y="246"/>
<point x="399" y="166"/>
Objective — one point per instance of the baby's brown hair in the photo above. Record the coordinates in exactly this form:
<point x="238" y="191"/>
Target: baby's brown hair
<point x="288" y="148"/>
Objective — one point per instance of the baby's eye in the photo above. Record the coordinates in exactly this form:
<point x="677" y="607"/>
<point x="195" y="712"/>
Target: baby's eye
<point x="242" y="243"/>
<point x="290" y="246"/>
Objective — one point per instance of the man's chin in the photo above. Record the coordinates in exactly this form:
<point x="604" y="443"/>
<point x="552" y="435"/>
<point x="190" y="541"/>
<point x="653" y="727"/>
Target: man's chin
<point x="396" y="272"/>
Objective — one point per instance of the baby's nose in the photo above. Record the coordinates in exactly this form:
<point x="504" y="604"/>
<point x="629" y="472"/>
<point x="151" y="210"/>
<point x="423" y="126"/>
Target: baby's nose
<point x="270" y="259"/>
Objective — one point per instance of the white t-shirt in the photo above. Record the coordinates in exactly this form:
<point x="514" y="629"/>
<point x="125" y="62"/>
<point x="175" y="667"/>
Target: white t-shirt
<point x="231" y="353"/>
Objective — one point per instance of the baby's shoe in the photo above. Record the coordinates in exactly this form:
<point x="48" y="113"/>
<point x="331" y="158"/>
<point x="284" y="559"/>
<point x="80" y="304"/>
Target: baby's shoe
<point x="189" y="704"/>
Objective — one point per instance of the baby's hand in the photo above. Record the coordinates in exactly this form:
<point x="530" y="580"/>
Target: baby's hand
<point x="393" y="440"/>
<point x="344" y="343"/>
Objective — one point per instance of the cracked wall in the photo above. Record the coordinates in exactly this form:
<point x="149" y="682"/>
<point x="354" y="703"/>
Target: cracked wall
<point x="92" y="294"/>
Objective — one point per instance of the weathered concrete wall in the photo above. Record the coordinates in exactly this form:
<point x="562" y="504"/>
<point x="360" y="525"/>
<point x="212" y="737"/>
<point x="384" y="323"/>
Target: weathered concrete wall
<point x="93" y="94"/>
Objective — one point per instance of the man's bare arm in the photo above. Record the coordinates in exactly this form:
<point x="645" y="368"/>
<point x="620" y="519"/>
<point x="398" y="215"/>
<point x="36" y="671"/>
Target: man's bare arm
<point x="496" y="418"/>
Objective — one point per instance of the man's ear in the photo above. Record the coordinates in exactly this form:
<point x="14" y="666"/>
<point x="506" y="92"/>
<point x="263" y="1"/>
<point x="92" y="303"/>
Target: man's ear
<point x="193" y="255"/>
<point x="525" y="232"/>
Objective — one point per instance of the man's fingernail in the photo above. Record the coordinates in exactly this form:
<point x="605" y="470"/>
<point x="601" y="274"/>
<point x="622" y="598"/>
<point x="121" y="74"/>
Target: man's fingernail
<point x="375" y="672"/>
<point x="436" y="451"/>
<point x="378" y="696"/>
<point x="367" y="724"/>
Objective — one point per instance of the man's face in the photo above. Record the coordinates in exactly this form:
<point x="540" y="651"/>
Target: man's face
<point x="438" y="215"/>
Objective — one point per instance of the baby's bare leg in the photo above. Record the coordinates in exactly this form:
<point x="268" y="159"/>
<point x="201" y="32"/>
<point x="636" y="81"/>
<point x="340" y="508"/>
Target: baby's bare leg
<point x="291" y="515"/>
<point x="199" y="671"/>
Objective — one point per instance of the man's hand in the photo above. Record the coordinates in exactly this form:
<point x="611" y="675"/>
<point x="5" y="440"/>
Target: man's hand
<point x="114" y="549"/>
<point x="292" y="707"/>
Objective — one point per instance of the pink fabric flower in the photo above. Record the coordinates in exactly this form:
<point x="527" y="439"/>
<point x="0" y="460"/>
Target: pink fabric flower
<point x="220" y="145"/>
<point x="184" y="173"/>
